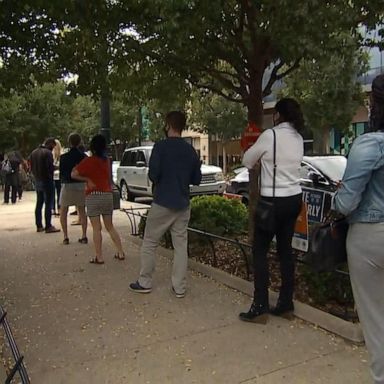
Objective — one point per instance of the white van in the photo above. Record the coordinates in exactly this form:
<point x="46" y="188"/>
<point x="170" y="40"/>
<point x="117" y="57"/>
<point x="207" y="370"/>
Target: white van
<point x="133" y="180"/>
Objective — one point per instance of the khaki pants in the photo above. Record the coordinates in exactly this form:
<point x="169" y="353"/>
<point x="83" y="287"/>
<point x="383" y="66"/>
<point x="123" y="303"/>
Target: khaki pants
<point x="159" y="220"/>
<point x="366" y="267"/>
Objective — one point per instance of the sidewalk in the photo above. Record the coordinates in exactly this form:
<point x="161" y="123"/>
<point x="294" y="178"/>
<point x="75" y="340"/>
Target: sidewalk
<point x="78" y="323"/>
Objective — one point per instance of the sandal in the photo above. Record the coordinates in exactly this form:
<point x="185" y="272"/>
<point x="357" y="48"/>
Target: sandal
<point x="119" y="257"/>
<point x="83" y="240"/>
<point x="95" y="260"/>
<point x="66" y="241"/>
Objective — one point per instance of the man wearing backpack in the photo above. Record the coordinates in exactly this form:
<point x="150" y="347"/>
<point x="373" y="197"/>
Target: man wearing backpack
<point x="10" y="170"/>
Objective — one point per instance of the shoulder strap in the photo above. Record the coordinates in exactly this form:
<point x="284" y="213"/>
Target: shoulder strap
<point x="274" y="161"/>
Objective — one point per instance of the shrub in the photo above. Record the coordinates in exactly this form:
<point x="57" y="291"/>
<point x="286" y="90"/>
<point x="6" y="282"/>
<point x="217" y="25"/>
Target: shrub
<point x="218" y="215"/>
<point x="327" y="286"/>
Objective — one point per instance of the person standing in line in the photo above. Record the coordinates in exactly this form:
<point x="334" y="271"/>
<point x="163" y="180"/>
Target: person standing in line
<point x="360" y="198"/>
<point x="173" y="166"/>
<point x="12" y="177"/>
<point x="77" y="221"/>
<point x="284" y="191"/>
<point x="57" y="151"/>
<point x="72" y="191"/>
<point x="41" y="162"/>
<point x="23" y="178"/>
<point x="2" y="175"/>
<point x="96" y="172"/>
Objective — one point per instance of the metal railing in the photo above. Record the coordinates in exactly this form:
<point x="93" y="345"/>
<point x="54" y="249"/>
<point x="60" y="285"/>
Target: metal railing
<point x="135" y="216"/>
<point x="19" y="359"/>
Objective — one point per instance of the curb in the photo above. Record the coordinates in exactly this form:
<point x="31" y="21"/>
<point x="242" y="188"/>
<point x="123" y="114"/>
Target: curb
<point x="345" y="329"/>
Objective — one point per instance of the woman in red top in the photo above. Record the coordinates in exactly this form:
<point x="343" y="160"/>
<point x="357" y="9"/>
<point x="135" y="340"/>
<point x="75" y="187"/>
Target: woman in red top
<point x="95" y="171"/>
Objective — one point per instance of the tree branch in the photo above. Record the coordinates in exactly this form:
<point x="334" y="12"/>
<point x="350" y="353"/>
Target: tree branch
<point x="216" y="90"/>
<point x="275" y="76"/>
<point x="268" y="88"/>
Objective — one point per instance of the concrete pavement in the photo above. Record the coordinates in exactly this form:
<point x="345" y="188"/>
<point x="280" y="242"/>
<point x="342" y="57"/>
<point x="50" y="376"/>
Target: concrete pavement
<point x="78" y="323"/>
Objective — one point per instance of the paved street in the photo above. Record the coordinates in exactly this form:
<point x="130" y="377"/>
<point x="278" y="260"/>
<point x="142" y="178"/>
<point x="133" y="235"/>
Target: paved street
<point x="78" y="323"/>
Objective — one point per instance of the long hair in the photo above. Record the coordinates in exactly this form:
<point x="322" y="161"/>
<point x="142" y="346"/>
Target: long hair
<point x="290" y="111"/>
<point x="98" y="146"/>
<point x="376" y="119"/>
<point x="57" y="150"/>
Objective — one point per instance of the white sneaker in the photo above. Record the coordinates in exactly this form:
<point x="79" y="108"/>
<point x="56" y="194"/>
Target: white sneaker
<point x="178" y="295"/>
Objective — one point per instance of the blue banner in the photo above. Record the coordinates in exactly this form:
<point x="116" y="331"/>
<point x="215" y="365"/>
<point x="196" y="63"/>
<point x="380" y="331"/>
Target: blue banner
<point x="315" y="204"/>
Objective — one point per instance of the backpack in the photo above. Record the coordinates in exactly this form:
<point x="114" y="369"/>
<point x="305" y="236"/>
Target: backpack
<point x="6" y="167"/>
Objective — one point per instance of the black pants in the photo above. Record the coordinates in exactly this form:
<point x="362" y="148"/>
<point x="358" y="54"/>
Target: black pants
<point x="11" y="185"/>
<point x="10" y="188"/>
<point x="286" y="211"/>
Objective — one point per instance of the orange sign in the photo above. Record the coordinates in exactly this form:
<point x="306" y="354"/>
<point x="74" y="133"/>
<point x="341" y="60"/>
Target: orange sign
<point x="250" y="135"/>
<point x="300" y="237"/>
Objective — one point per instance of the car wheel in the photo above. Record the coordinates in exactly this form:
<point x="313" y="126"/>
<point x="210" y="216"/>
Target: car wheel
<point x="245" y="199"/>
<point x="125" y="193"/>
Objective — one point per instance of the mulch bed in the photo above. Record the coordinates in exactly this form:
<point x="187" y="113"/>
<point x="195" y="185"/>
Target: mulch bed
<point x="334" y="298"/>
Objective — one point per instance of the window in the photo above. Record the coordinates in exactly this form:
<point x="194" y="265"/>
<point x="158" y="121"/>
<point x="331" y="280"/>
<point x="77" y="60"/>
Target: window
<point x="132" y="158"/>
<point x="129" y="159"/>
<point x="125" y="159"/>
<point x="141" y="157"/>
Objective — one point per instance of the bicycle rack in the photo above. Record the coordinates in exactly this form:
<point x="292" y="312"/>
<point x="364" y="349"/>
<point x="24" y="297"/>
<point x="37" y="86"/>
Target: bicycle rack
<point x="19" y="359"/>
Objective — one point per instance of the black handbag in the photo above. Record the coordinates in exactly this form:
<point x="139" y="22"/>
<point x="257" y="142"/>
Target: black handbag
<point x="116" y="197"/>
<point x="265" y="209"/>
<point x="328" y="245"/>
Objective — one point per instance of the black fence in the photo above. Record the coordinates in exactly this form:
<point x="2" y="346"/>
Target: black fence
<point x="135" y="216"/>
<point x="18" y="359"/>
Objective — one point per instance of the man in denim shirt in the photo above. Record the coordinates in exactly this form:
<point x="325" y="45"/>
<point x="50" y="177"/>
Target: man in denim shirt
<point x="361" y="198"/>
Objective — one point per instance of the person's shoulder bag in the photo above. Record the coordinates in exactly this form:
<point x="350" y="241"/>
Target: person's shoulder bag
<point x="327" y="247"/>
<point x="265" y="210"/>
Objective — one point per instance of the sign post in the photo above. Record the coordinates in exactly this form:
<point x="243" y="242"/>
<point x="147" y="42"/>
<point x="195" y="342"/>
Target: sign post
<point x="249" y="136"/>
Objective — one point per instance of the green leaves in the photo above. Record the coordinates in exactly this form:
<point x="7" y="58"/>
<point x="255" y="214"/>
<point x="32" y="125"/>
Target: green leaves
<point x="218" y="215"/>
<point x="327" y="88"/>
<point x="213" y="114"/>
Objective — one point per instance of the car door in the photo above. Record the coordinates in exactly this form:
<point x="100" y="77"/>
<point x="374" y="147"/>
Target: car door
<point x="125" y="171"/>
<point x="140" y="173"/>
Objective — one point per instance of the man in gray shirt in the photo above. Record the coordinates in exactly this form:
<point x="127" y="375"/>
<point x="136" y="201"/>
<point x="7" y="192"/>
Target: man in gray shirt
<point x="173" y="167"/>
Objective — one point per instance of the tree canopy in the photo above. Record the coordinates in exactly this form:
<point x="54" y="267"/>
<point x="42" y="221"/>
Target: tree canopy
<point x="328" y="90"/>
<point x="235" y="48"/>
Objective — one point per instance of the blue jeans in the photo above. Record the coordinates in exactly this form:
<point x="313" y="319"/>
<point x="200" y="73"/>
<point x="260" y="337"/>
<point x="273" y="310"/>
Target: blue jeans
<point x="44" y="194"/>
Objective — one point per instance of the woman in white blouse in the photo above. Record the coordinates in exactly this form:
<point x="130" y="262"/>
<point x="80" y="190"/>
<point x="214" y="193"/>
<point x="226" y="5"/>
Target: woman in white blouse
<point x="286" y="195"/>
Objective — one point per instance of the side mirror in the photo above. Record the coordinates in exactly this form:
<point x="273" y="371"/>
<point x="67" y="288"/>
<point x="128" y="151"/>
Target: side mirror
<point x="140" y="164"/>
<point x="314" y="177"/>
<point x="317" y="178"/>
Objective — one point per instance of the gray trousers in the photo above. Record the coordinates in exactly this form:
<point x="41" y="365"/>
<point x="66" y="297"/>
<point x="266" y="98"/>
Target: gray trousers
<point x="159" y="220"/>
<point x="365" y="247"/>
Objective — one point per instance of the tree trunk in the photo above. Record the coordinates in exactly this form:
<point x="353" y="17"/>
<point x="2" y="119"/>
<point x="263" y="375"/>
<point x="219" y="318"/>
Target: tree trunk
<point x="224" y="159"/>
<point x="321" y="145"/>
<point x="139" y="124"/>
<point x="217" y="152"/>
<point x="255" y="114"/>
<point x="105" y="114"/>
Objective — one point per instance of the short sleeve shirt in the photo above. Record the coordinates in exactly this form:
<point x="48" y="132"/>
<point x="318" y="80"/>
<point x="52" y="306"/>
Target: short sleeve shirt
<point x="96" y="169"/>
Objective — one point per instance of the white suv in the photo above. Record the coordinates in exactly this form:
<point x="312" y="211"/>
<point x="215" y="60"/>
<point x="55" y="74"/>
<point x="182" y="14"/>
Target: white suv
<point x="133" y="180"/>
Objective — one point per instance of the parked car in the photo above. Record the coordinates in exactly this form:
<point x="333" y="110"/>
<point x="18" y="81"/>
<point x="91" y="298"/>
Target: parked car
<point x="133" y="180"/>
<point x="115" y="165"/>
<point x="319" y="178"/>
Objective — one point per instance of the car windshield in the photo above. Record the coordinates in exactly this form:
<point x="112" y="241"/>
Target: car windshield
<point x="331" y="166"/>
